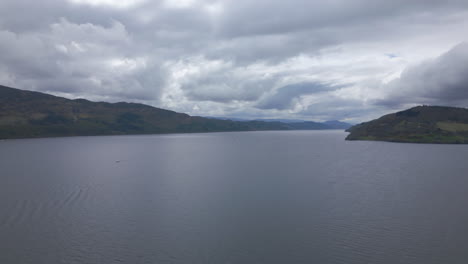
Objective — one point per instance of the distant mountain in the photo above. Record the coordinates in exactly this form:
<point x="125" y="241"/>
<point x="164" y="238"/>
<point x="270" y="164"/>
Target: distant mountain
<point x="337" y="124"/>
<point x="282" y="120"/>
<point x="421" y="124"/>
<point x="299" y="124"/>
<point x="26" y="114"/>
<point x="228" y="118"/>
<point x="307" y="125"/>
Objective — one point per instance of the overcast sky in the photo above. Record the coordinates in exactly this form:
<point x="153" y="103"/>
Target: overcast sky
<point x="349" y="60"/>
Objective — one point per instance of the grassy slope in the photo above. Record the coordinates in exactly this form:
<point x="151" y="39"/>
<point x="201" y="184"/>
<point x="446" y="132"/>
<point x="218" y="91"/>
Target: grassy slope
<point x="422" y="124"/>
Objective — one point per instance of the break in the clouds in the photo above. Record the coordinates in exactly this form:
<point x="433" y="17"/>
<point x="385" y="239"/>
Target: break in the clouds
<point x="343" y="59"/>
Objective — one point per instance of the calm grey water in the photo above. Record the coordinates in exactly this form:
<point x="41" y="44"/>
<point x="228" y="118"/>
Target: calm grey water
<point x="248" y="197"/>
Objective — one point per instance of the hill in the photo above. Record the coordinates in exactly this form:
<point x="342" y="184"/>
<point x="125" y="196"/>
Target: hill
<point x="26" y="114"/>
<point x="421" y="124"/>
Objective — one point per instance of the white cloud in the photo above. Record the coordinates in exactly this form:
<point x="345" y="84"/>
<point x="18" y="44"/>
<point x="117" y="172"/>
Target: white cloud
<point x="179" y="3"/>
<point x="109" y="3"/>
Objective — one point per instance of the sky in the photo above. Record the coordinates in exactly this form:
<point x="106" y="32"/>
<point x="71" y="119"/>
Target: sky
<point x="348" y="60"/>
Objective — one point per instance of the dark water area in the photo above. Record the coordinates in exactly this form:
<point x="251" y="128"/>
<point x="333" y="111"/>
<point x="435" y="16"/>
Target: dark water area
<point x="248" y="197"/>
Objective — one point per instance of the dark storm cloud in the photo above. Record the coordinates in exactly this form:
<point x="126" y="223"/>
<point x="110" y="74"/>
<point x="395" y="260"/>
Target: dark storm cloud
<point x="443" y="80"/>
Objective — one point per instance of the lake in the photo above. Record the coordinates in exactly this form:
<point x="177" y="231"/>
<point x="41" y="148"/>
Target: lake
<point x="241" y="197"/>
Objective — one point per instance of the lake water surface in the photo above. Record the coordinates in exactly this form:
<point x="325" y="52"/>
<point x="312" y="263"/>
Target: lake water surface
<point x="247" y="197"/>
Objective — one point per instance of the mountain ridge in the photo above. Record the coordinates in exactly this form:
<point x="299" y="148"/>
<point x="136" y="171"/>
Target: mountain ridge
<point x="331" y="124"/>
<point x="30" y="114"/>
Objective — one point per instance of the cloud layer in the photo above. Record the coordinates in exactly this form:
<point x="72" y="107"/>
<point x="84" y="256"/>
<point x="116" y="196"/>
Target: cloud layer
<point x="443" y="80"/>
<point x="349" y="60"/>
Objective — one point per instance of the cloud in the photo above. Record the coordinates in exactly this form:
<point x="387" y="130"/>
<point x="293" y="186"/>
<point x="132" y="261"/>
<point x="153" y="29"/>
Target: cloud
<point x="108" y="3"/>
<point x="219" y="81"/>
<point x="265" y="58"/>
<point x="80" y="59"/>
<point x="441" y="81"/>
<point x="333" y="107"/>
<point x="285" y="97"/>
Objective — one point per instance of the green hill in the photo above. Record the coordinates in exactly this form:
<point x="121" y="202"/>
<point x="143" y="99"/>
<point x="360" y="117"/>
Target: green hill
<point x="26" y="114"/>
<point x="421" y="124"/>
